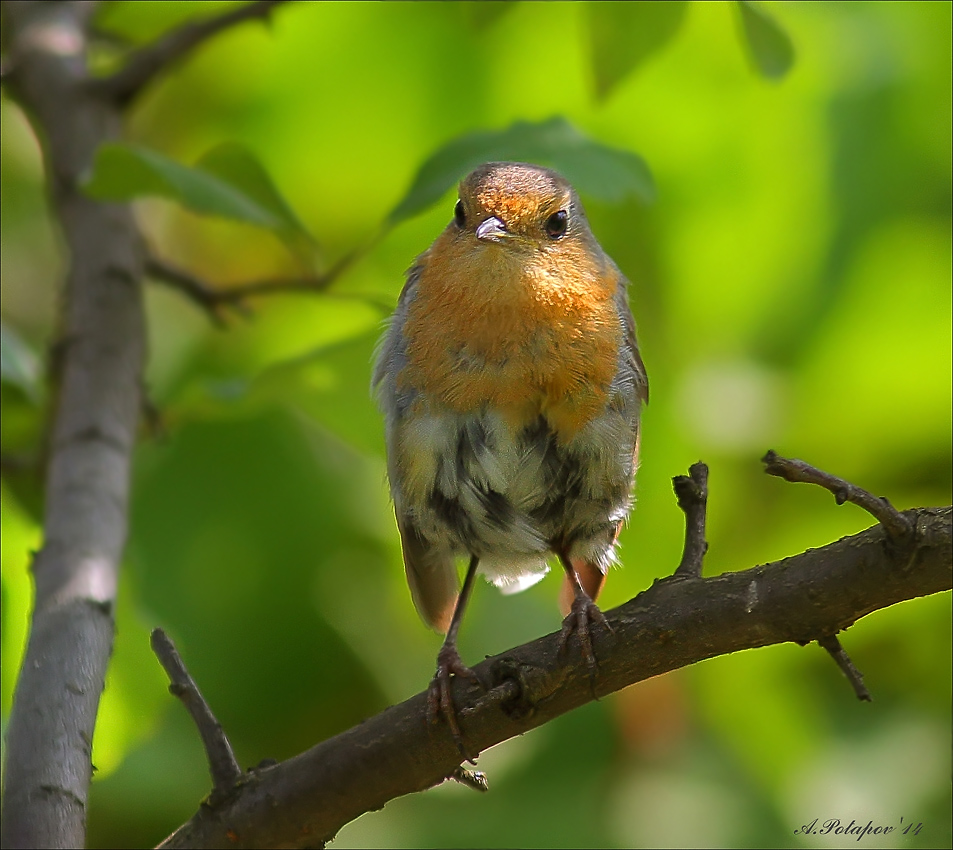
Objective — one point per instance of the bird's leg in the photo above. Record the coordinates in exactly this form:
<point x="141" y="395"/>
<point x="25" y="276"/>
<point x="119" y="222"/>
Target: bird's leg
<point x="582" y="612"/>
<point x="449" y="663"/>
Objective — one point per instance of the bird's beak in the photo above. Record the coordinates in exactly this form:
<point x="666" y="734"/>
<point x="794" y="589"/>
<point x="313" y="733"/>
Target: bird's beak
<point x="492" y="230"/>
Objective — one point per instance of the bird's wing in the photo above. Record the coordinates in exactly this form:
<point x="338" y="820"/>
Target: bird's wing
<point x="389" y="354"/>
<point x="635" y="363"/>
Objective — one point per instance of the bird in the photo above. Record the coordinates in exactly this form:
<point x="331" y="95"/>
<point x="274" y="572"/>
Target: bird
<point x="511" y="387"/>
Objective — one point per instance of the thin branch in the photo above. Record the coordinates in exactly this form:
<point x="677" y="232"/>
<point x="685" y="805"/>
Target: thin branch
<point x="222" y="764"/>
<point x="692" y="493"/>
<point x="214" y="300"/>
<point x="842" y="659"/>
<point x="272" y="286"/>
<point x="304" y="801"/>
<point x="147" y="63"/>
<point x="897" y="526"/>
<point x="790" y="469"/>
<point x="194" y="287"/>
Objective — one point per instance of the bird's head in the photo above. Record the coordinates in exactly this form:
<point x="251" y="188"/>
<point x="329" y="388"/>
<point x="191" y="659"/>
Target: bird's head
<point x="518" y="206"/>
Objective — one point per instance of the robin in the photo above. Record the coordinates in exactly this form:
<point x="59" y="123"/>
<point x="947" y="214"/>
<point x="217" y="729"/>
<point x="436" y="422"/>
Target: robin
<point x="511" y="385"/>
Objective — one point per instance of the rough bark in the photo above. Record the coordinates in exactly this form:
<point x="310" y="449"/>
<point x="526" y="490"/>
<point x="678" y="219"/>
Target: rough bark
<point x="99" y="357"/>
<point x="304" y="801"/>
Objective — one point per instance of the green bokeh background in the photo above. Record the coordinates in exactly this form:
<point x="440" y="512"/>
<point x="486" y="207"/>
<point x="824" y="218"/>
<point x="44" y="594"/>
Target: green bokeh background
<point x="792" y="287"/>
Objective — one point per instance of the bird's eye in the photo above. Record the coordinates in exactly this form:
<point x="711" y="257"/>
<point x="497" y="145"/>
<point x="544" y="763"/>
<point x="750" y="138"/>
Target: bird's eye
<point x="557" y="223"/>
<point x="460" y="215"/>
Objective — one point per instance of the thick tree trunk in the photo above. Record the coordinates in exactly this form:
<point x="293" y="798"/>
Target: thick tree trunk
<point x="98" y="364"/>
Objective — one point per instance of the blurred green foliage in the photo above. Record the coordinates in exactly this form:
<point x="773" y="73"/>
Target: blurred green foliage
<point x="792" y="286"/>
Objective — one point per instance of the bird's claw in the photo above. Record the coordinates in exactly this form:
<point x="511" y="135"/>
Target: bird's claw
<point x="582" y="613"/>
<point x="439" y="698"/>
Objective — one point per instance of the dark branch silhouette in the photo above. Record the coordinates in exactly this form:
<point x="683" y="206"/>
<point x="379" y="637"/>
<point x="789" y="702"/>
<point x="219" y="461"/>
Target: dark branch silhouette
<point x="842" y="660"/>
<point x="681" y="620"/>
<point x="692" y="493"/>
<point x="149" y="62"/>
<point x="223" y="766"/>
<point x="216" y="299"/>
<point x="881" y="510"/>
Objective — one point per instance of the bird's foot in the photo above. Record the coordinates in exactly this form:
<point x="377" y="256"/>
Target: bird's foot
<point x="582" y="614"/>
<point x="439" y="698"/>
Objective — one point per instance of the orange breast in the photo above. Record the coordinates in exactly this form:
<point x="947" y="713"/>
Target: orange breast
<point x="521" y="330"/>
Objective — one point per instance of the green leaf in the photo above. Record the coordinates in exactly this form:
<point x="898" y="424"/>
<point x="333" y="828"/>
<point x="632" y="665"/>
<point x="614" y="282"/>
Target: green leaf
<point x="480" y="15"/>
<point x="228" y="181"/>
<point x="19" y="364"/>
<point x="769" y="45"/>
<point x="242" y="170"/>
<point x="610" y="174"/>
<point x="123" y="172"/>
<point x="623" y="35"/>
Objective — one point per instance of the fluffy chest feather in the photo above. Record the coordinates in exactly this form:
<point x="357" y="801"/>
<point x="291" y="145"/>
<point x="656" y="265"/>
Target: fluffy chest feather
<point x="523" y="335"/>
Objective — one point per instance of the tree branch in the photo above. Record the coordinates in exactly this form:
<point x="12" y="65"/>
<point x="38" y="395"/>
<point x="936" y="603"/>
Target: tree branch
<point x="790" y="469"/>
<point x="896" y="524"/>
<point x="194" y="287"/>
<point x="842" y="660"/>
<point x="150" y="61"/>
<point x="304" y="801"/>
<point x="214" y="299"/>
<point x="223" y="766"/>
<point x="48" y="768"/>
<point x="692" y="493"/>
